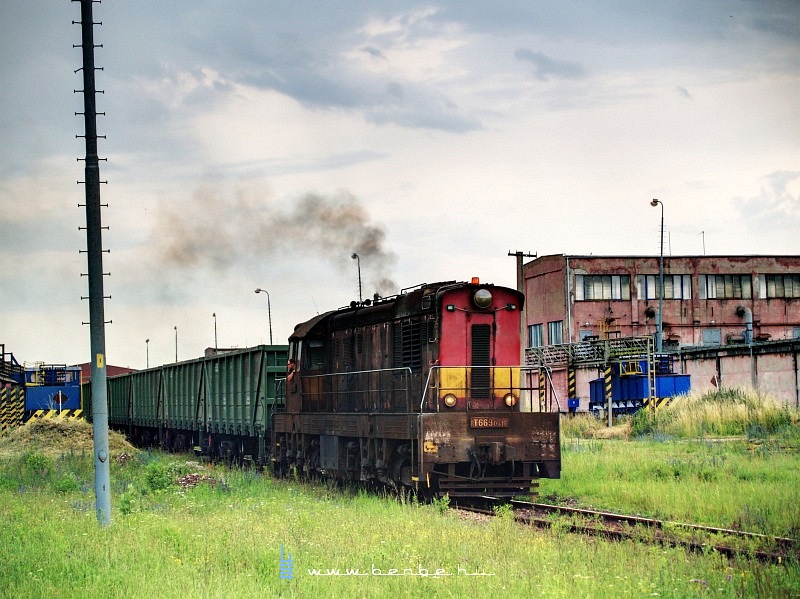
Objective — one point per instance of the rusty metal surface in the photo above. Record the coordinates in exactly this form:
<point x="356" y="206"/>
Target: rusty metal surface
<point x="447" y="437"/>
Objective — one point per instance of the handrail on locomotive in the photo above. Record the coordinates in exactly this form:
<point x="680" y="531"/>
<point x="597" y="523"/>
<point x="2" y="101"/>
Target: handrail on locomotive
<point x="369" y="391"/>
<point x="503" y="380"/>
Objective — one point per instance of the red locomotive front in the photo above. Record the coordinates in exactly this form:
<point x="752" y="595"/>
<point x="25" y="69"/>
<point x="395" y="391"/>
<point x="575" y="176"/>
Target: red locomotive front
<point x="475" y="440"/>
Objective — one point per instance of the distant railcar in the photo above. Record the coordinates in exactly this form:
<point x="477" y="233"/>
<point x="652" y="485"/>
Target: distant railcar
<point x="421" y="390"/>
<point x="220" y="405"/>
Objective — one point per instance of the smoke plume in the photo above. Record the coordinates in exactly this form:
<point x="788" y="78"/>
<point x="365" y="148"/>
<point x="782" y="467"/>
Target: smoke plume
<point x="223" y="231"/>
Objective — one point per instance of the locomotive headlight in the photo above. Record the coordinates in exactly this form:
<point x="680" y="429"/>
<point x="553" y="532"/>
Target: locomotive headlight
<point x="449" y="400"/>
<point x="510" y="400"/>
<point x="482" y="298"/>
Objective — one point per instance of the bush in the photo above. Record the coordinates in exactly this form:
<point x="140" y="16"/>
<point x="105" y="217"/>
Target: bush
<point x="67" y="484"/>
<point x="724" y="412"/>
<point x="157" y="476"/>
<point x="37" y="464"/>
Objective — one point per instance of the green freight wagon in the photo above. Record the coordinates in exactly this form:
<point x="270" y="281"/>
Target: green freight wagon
<point x="220" y="405"/>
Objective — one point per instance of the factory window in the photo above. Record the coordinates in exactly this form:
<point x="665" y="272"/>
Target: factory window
<point x="712" y="337"/>
<point x="725" y="286"/>
<point x="602" y="287"/>
<point x="554" y="332"/>
<point x="675" y="286"/>
<point x="772" y="286"/>
<point x="535" y="335"/>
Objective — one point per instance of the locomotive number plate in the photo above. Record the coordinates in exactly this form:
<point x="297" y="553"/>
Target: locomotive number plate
<point x="488" y="422"/>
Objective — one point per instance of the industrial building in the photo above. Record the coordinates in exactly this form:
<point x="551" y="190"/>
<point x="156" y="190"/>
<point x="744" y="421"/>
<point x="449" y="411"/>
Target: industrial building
<point x="707" y="300"/>
<point x="727" y="321"/>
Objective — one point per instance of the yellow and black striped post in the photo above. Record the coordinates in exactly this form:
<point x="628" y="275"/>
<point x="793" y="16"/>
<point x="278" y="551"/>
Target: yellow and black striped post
<point x="12" y="407"/>
<point x="571" y="384"/>
<point x="542" y="389"/>
<point x="607" y="380"/>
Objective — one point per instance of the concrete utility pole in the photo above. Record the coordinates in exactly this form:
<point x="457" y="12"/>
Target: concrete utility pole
<point x="94" y="250"/>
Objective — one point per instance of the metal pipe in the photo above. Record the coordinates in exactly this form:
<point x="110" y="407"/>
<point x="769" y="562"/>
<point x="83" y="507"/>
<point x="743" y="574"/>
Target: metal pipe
<point x="747" y="313"/>
<point x="660" y="321"/>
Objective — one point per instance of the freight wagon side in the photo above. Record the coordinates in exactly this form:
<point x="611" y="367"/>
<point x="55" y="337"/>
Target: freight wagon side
<point x="220" y="405"/>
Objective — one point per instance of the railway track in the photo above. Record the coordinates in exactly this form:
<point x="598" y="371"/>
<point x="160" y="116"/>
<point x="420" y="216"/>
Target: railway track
<point x="694" y="537"/>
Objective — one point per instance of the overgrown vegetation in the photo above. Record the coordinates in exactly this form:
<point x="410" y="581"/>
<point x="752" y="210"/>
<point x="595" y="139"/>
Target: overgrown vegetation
<point x="722" y="413"/>
<point x="186" y="528"/>
<point x="727" y="459"/>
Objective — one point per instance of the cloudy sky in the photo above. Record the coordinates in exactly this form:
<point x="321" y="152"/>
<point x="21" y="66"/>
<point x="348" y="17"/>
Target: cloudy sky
<point x="261" y="143"/>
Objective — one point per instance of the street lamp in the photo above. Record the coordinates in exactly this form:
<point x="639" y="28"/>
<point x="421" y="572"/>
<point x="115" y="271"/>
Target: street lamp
<point x="216" y="345"/>
<point x="176" y="344"/>
<point x="358" y="262"/>
<point x="660" y="320"/>
<point x="147" y="349"/>
<point x="269" y="312"/>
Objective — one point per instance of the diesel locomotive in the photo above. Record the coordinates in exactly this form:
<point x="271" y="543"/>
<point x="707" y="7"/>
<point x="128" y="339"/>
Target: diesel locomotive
<point x="422" y="390"/>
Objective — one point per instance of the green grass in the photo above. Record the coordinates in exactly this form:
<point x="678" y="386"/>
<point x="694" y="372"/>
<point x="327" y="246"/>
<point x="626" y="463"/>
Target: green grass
<point x="730" y="458"/>
<point x="222" y="538"/>
<point x="729" y="484"/>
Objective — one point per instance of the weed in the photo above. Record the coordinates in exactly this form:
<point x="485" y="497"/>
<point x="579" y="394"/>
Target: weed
<point x="67" y="484"/>
<point x="37" y="464"/>
<point x="442" y="504"/>
<point x="503" y="512"/>
<point x="157" y="476"/>
<point x="127" y="502"/>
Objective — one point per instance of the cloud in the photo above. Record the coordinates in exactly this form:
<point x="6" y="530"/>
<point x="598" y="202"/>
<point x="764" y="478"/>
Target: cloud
<point x="682" y="91"/>
<point x="545" y="67"/>
<point x="776" y="207"/>
<point x="373" y="52"/>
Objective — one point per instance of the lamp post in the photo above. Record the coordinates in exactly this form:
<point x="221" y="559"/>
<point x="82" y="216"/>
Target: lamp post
<point x="147" y="350"/>
<point x="660" y="320"/>
<point x="358" y="262"/>
<point x="269" y="312"/>
<point x="216" y="345"/>
<point x="176" y="343"/>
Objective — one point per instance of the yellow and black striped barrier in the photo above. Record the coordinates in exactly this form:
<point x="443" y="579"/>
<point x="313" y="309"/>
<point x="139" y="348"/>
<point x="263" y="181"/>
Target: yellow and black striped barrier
<point x="656" y="402"/>
<point x="12" y="407"/>
<point x="63" y="414"/>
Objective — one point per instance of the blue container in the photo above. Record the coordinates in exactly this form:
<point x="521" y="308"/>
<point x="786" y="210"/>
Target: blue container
<point x="628" y="392"/>
<point x="53" y="387"/>
<point x="669" y="385"/>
